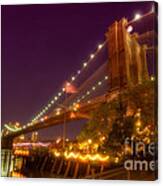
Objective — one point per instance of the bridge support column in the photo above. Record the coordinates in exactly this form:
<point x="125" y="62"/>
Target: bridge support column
<point x="127" y="63"/>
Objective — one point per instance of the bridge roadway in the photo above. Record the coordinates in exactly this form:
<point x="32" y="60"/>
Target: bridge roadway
<point x="82" y="113"/>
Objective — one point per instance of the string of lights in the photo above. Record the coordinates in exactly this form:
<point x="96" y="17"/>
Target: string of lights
<point x="11" y="129"/>
<point x="72" y="80"/>
<point x="92" y="89"/>
<point x="75" y="105"/>
<point x="85" y="64"/>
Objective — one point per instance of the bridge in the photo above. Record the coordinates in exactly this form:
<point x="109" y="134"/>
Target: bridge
<point x="124" y="63"/>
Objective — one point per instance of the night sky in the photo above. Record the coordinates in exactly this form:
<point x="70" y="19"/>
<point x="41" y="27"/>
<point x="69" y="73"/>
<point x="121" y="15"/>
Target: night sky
<point x="42" y="45"/>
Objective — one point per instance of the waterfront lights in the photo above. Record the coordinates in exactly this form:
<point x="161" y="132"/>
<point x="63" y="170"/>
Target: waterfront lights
<point x="116" y="160"/>
<point x="59" y="94"/>
<point x="129" y="29"/>
<point x="152" y="78"/>
<point x="89" y="141"/>
<point x="138" y="123"/>
<point x="137" y="16"/>
<point x="85" y="157"/>
<point x="52" y="102"/>
<point x="78" y="71"/>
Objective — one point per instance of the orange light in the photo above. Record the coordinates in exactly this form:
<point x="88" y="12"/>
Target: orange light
<point x="72" y="115"/>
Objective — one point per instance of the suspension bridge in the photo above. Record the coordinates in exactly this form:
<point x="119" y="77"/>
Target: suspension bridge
<point x="121" y="61"/>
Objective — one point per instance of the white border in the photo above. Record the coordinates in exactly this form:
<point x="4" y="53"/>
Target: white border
<point x="58" y="182"/>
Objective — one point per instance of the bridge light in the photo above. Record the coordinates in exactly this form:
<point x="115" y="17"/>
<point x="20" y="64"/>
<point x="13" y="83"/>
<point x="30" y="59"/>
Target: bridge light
<point x="73" y="78"/>
<point x="63" y="89"/>
<point x="93" y="88"/>
<point x="84" y="64"/>
<point x="99" y="46"/>
<point x="68" y="84"/>
<point x="52" y="102"/>
<point x="72" y="115"/>
<point x="88" y="92"/>
<point x="88" y="101"/>
<point x="78" y="71"/>
<point x="49" y="105"/>
<point x="42" y="119"/>
<point x="92" y="56"/>
<point x="58" y="112"/>
<point x="77" y="105"/>
<point x="59" y="94"/>
<point x="99" y="83"/>
<point x="83" y="97"/>
<point x="56" y="98"/>
<point x="46" y="117"/>
<point x="129" y="29"/>
<point x="106" y="77"/>
<point x="137" y="16"/>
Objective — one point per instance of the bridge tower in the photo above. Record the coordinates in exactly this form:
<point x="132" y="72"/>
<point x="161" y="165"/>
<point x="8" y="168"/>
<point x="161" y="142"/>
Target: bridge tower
<point x="127" y="58"/>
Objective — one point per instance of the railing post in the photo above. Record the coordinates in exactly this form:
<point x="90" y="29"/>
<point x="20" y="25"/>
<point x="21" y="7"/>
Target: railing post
<point x="76" y="170"/>
<point x="67" y="169"/>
